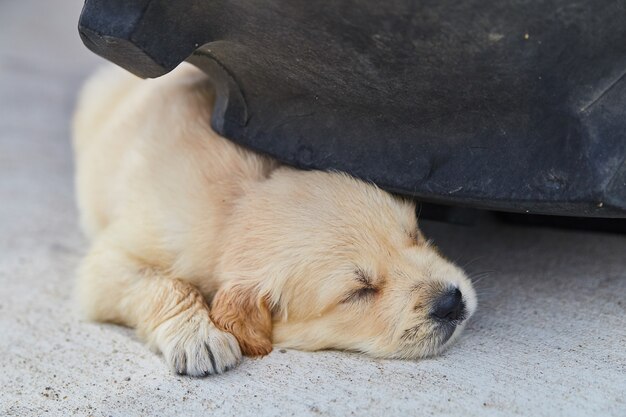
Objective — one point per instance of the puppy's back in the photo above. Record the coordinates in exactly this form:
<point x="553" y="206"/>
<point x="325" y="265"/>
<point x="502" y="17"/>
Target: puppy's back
<point x="146" y="155"/>
<point x="100" y="96"/>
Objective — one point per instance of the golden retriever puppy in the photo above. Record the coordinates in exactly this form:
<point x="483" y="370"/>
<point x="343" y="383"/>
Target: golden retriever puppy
<point x="212" y="251"/>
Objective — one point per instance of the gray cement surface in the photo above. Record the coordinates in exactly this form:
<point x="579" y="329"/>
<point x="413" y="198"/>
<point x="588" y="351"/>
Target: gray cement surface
<point x="548" y="339"/>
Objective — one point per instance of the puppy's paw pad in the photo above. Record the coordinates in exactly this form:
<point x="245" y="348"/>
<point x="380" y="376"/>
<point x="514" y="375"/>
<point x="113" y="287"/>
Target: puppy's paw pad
<point x="198" y="348"/>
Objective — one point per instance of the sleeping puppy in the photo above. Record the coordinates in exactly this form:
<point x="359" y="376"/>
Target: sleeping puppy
<point x="212" y="251"/>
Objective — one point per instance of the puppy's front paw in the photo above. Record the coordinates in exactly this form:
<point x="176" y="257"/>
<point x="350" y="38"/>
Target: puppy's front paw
<point x="194" y="346"/>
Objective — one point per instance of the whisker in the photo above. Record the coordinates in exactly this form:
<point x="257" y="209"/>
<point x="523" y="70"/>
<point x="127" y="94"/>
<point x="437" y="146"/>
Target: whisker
<point x="476" y="280"/>
<point x="478" y="277"/>
<point x="471" y="261"/>
<point x="481" y="273"/>
<point x="484" y="291"/>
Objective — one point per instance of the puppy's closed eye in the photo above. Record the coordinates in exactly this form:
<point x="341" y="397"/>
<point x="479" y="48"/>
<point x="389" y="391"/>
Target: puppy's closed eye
<point x="365" y="292"/>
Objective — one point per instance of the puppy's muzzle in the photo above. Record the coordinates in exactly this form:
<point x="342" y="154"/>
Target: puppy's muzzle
<point x="449" y="307"/>
<point x="449" y="310"/>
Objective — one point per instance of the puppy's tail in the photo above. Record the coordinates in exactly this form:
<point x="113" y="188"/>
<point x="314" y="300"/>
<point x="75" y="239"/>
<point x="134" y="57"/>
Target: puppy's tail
<point x="98" y="99"/>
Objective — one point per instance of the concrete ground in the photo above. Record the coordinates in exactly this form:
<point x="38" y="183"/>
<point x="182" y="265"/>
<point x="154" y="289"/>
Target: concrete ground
<point x="548" y="339"/>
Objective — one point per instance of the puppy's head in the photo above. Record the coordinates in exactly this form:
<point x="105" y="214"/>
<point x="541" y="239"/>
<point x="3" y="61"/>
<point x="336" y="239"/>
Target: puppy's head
<point x="316" y="260"/>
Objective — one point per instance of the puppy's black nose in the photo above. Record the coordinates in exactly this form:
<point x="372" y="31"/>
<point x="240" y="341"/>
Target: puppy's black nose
<point x="449" y="306"/>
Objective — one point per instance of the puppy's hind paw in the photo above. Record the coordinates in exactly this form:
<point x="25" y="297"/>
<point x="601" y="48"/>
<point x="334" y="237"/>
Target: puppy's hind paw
<point x="197" y="348"/>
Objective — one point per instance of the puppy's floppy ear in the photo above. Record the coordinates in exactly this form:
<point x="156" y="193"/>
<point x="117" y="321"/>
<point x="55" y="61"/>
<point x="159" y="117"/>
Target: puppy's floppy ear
<point x="240" y="309"/>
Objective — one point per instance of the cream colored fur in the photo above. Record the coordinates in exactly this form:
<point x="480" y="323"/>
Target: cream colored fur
<point x="181" y="219"/>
